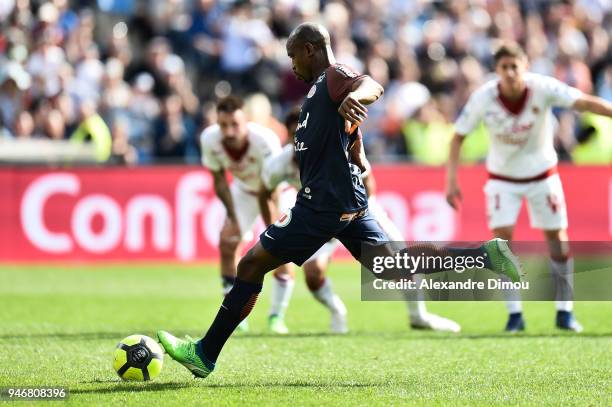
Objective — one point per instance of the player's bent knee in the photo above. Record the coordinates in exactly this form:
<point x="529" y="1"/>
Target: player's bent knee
<point x="314" y="283"/>
<point x="228" y="246"/>
<point x="314" y="275"/>
<point x="256" y="263"/>
<point x="248" y="269"/>
<point x="247" y="261"/>
<point x="284" y="272"/>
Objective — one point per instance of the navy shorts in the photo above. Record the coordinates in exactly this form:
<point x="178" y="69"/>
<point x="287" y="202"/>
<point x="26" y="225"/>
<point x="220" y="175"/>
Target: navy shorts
<point x="302" y="231"/>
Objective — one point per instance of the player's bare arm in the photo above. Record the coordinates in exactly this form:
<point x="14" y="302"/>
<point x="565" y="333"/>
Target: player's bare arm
<point x="453" y="192"/>
<point x="223" y="193"/>
<point x="370" y="184"/>
<point x="268" y="204"/>
<point x="358" y="156"/>
<point x="593" y="104"/>
<point x="364" y="92"/>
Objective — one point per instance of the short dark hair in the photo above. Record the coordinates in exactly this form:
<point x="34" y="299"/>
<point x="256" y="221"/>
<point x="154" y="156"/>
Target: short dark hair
<point x="313" y="33"/>
<point x="293" y="116"/>
<point x="509" y="49"/>
<point x="229" y="104"/>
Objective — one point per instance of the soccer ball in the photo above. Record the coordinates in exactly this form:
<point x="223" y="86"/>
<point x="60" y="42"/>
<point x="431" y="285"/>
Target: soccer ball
<point x="138" y="358"/>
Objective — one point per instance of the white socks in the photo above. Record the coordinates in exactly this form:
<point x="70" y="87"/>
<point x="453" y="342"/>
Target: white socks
<point x="513" y="306"/>
<point x="325" y="295"/>
<point x="513" y="299"/>
<point x="281" y="294"/>
<point x="563" y="279"/>
<point x="414" y="301"/>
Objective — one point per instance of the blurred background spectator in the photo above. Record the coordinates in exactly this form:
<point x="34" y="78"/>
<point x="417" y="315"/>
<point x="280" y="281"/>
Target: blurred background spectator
<point x="137" y="78"/>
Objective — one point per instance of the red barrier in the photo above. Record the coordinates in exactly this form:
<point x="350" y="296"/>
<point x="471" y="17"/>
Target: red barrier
<point x="171" y="213"/>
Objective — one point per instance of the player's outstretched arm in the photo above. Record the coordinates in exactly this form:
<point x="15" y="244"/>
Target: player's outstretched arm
<point x="453" y="192"/>
<point x="593" y="104"/>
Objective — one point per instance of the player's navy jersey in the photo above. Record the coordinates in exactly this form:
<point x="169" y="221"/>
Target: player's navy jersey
<point x="330" y="182"/>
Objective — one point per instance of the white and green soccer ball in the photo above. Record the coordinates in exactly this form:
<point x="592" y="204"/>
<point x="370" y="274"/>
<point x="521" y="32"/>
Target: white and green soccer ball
<point x="138" y="358"/>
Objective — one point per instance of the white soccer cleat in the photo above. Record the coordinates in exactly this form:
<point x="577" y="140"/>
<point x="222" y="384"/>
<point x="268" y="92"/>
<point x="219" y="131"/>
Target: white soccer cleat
<point x="276" y="324"/>
<point x="338" y="324"/>
<point x="435" y="323"/>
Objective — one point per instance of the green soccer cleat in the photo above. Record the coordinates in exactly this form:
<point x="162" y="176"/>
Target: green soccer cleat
<point x="184" y="352"/>
<point x="277" y="325"/>
<point x="503" y="261"/>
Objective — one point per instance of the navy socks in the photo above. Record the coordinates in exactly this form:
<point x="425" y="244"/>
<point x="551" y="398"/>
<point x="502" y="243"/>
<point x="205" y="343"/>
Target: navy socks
<point x="236" y="306"/>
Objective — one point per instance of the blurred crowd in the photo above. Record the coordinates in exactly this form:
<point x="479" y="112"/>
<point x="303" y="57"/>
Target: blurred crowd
<point x="139" y="78"/>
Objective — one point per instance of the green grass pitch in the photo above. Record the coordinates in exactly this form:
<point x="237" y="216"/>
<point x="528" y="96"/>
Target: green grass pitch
<point x="59" y="327"/>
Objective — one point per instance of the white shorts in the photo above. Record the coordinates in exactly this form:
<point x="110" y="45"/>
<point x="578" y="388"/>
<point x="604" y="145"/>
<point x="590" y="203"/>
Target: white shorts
<point x="247" y="210"/>
<point x="545" y="203"/>
<point x="383" y="220"/>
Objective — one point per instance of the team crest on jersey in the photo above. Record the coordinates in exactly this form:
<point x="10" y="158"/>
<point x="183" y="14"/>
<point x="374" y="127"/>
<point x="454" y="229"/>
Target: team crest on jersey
<point x="284" y="220"/>
<point x="344" y="70"/>
<point x="311" y="92"/>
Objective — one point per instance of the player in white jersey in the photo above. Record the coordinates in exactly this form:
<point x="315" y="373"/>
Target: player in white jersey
<point x="522" y="163"/>
<point x="280" y="170"/>
<point x="240" y="147"/>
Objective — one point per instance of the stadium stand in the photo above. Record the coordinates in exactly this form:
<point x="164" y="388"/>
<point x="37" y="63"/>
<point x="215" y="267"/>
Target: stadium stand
<point x="147" y="66"/>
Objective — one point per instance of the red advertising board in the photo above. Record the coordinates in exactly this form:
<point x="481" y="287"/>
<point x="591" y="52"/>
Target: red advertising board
<point x="171" y="213"/>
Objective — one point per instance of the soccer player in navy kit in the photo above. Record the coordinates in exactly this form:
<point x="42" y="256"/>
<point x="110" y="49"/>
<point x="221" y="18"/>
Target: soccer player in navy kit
<point x="331" y="203"/>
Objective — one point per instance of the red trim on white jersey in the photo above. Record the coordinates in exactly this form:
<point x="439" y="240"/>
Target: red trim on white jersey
<point x="513" y="106"/>
<point x="539" y="177"/>
<point x="236" y="155"/>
